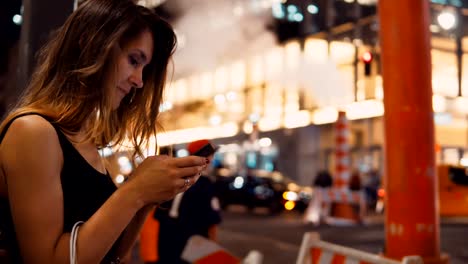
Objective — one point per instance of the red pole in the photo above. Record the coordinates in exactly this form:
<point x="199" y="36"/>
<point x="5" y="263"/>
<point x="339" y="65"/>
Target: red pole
<point x="412" y="214"/>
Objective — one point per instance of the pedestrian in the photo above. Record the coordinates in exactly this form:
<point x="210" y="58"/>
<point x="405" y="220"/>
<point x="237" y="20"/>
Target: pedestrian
<point x="355" y="181"/>
<point x="371" y="186"/>
<point x="99" y="83"/>
<point x="194" y="212"/>
<point x="323" y="179"/>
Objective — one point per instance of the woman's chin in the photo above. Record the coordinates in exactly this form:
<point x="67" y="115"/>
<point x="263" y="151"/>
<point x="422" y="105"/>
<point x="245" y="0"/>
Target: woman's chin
<point x="116" y="105"/>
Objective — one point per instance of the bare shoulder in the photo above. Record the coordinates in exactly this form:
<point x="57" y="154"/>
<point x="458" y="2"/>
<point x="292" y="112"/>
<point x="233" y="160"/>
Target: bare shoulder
<point x="30" y="123"/>
<point x="31" y="127"/>
<point x="30" y="136"/>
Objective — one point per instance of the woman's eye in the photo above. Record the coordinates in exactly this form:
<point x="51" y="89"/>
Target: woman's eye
<point x="134" y="62"/>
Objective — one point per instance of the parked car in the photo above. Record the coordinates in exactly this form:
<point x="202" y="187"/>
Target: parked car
<point x="270" y="190"/>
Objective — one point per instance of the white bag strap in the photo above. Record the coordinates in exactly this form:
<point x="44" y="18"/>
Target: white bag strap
<point x="73" y="240"/>
<point x="174" y="211"/>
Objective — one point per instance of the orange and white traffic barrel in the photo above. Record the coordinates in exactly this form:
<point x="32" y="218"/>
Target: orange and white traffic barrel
<point x="343" y="161"/>
<point x="342" y="173"/>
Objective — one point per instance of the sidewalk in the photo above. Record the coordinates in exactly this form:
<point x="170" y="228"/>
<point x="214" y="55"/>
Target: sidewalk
<point x="378" y="219"/>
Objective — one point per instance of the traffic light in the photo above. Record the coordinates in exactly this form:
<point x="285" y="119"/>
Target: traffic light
<point x="367" y="58"/>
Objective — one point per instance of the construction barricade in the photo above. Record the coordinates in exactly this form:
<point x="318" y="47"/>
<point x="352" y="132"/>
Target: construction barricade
<point x="315" y="251"/>
<point x="200" y="250"/>
<point x="327" y="200"/>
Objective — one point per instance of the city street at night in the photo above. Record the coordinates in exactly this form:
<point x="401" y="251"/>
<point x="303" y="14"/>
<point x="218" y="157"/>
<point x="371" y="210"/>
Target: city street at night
<point x="279" y="237"/>
<point x="182" y="131"/>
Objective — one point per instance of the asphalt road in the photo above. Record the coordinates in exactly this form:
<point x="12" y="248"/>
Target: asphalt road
<point x="278" y="238"/>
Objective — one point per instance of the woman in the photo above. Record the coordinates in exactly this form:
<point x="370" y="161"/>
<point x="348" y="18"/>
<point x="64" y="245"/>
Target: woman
<point x="99" y="82"/>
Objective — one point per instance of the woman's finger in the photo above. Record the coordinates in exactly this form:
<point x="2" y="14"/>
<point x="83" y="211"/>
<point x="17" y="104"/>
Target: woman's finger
<point x="188" y="161"/>
<point x="189" y="171"/>
<point x="196" y="177"/>
<point x="186" y="183"/>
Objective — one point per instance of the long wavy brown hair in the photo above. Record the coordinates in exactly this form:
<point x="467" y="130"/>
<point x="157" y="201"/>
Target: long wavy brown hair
<point x="71" y="82"/>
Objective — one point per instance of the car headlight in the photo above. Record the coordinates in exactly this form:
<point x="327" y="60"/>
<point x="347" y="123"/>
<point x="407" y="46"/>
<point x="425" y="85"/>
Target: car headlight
<point x="289" y="205"/>
<point x="290" y="196"/>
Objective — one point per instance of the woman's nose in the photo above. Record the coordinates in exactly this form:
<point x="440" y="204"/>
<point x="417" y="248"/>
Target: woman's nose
<point x="136" y="79"/>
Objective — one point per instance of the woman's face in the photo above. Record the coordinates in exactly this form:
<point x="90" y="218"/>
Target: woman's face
<point x="131" y="61"/>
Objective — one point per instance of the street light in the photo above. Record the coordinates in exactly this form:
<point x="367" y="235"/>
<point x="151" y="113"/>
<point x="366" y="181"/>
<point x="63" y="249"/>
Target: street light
<point x="17" y="19"/>
<point x="447" y="20"/>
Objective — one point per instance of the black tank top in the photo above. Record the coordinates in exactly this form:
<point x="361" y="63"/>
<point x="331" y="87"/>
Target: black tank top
<point x="84" y="191"/>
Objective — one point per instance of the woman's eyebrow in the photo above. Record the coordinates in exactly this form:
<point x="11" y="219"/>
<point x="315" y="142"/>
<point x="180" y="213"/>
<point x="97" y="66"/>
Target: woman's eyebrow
<point x="142" y="55"/>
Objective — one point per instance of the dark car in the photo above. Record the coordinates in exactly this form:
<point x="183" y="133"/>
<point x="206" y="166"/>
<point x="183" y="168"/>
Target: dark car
<point x="260" y="189"/>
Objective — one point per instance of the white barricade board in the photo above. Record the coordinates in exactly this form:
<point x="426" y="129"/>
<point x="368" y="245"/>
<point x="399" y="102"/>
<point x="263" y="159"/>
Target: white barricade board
<point x="327" y="253"/>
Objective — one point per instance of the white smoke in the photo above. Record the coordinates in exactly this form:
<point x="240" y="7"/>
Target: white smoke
<point x="216" y="32"/>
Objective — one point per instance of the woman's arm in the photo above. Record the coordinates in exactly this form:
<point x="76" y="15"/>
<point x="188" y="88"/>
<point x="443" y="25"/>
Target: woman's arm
<point x="32" y="160"/>
<point x="132" y="231"/>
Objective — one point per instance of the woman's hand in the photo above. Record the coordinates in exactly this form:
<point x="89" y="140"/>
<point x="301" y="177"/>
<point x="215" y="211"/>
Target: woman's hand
<point x="160" y="178"/>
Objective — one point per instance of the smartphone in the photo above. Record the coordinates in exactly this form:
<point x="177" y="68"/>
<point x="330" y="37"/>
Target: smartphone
<point x="206" y="151"/>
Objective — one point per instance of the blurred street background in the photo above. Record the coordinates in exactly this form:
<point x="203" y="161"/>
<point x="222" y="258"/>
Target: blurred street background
<point x="292" y="92"/>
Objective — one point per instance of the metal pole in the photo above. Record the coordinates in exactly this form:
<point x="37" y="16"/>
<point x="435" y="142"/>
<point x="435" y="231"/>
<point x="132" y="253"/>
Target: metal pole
<point x="39" y="19"/>
<point x="412" y="214"/>
<point x="357" y="35"/>
<point x="459" y="50"/>
<point x="329" y="21"/>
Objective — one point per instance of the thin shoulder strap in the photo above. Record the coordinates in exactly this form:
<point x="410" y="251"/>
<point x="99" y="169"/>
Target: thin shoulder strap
<point x="5" y="129"/>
